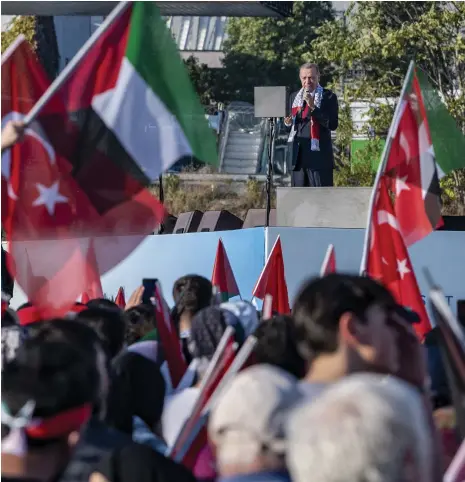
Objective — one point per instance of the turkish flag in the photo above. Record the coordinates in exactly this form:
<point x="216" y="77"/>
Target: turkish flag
<point x="61" y="211"/>
<point x="272" y="281"/>
<point x="412" y="170"/>
<point x="23" y="83"/>
<point x="389" y="261"/>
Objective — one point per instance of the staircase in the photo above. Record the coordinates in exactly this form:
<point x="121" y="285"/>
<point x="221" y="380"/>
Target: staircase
<point x="242" y="140"/>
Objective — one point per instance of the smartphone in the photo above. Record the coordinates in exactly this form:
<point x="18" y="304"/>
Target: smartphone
<point x="149" y="289"/>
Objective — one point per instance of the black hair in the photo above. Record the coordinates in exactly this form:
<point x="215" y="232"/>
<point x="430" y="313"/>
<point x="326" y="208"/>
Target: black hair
<point x="109" y="324"/>
<point x="191" y="294"/>
<point x="322" y="301"/>
<point x="9" y="319"/>
<point x="141" y="320"/>
<point x="55" y="373"/>
<point x="102" y="303"/>
<point x="277" y="345"/>
<point x="8" y="281"/>
<point x="78" y="334"/>
<point x="138" y="389"/>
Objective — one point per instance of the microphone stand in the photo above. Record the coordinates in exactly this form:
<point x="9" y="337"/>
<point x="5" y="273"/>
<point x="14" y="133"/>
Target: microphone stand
<point x="161" y="196"/>
<point x="269" y="170"/>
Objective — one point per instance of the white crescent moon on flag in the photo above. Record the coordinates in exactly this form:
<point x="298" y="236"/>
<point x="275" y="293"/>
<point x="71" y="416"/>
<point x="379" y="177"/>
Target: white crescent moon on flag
<point x="34" y="130"/>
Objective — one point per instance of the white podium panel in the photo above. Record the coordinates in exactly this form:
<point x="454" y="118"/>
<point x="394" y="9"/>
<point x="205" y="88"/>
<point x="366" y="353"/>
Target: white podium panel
<point x="322" y="207"/>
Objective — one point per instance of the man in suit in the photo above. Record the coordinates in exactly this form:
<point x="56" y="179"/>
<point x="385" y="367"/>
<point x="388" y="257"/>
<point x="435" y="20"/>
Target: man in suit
<point x="314" y="115"/>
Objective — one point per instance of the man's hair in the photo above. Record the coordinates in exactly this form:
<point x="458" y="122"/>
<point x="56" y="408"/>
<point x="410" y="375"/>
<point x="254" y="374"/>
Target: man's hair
<point x="141" y="320"/>
<point x="55" y="373"/>
<point x="322" y="301"/>
<point x="310" y="65"/>
<point x="277" y="345"/>
<point x="375" y="425"/>
<point x="67" y="331"/>
<point x="110" y="326"/>
<point x="191" y="294"/>
<point x="102" y="303"/>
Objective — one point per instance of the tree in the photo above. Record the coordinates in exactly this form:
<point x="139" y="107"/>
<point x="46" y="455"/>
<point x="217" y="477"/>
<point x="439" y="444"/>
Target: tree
<point x="372" y="46"/>
<point x="40" y="33"/>
<point x="202" y="78"/>
<point x="268" y="51"/>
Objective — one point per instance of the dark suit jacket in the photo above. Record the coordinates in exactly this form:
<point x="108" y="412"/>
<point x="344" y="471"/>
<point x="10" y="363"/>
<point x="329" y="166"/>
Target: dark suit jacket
<point x="327" y="115"/>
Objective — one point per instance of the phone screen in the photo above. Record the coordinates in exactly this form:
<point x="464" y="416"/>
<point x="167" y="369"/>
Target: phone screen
<point x="149" y="289"/>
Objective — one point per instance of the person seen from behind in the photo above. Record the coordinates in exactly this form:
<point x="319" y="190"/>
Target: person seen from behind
<point x="48" y="393"/>
<point x="247" y="425"/>
<point x="364" y="428"/>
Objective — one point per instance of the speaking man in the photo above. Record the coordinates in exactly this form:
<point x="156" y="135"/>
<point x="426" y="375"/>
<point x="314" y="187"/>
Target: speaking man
<point x="314" y="115"/>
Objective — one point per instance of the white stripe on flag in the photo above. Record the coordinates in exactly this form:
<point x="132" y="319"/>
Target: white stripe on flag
<point x="146" y="129"/>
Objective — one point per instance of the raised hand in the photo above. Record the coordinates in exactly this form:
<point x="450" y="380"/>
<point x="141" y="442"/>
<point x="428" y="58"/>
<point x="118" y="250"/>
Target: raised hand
<point x="135" y="298"/>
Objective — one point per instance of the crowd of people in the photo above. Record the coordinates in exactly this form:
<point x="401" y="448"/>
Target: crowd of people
<point x="340" y="391"/>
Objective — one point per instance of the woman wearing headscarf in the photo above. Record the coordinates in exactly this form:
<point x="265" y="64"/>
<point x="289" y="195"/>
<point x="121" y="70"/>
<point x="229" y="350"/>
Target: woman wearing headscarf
<point x="207" y="329"/>
<point x="136" y="399"/>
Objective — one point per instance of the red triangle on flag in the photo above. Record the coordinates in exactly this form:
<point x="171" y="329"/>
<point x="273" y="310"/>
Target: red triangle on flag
<point x="85" y="298"/>
<point x="389" y="261"/>
<point x="272" y="281"/>
<point x="329" y="263"/>
<point x="120" y="298"/>
<point x="223" y="276"/>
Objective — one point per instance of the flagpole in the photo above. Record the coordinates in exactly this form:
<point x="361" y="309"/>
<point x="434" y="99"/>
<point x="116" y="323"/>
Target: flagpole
<point x="382" y="166"/>
<point x="12" y="47"/>
<point x="69" y="69"/>
<point x="324" y="266"/>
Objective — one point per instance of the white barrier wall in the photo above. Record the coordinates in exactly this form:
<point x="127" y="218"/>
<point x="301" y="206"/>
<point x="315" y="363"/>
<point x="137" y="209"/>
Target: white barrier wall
<point x="442" y="252"/>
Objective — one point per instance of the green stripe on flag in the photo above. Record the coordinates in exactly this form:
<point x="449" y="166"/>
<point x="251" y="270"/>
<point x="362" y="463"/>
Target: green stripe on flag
<point x="448" y="140"/>
<point x="153" y="53"/>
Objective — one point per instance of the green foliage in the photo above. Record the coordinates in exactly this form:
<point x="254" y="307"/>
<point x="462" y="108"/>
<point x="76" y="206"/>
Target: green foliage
<point x="268" y="51"/>
<point x="203" y="79"/>
<point x="40" y="33"/>
<point x="371" y="47"/>
<point x="25" y="25"/>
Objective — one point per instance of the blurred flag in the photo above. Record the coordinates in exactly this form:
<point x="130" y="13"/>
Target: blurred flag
<point x="169" y="339"/>
<point x="223" y="277"/>
<point x="120" y="299"/>
<point x="121" y="113"/>
<point x="452" y="342"/>
<point x="23" y="83"/>
<point x="389" y="261"/>
<point x="329" y="263"/>
<point x="272" y="281"/>
<point x="85" y="298"/>
<point x="426" y="145"/>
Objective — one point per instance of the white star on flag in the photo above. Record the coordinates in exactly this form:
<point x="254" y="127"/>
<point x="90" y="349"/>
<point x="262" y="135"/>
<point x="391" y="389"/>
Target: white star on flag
<point x="49" y="196"/>
<point x="401" y="185"/>
<point x="402" y="268"/>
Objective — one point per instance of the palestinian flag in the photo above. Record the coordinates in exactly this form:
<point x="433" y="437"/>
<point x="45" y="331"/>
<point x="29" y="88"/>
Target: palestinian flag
<point x="131" y="109"/>
<point x="426" y="144"/>
<point x="121" y="113"/>
<point x="223" y="276"/>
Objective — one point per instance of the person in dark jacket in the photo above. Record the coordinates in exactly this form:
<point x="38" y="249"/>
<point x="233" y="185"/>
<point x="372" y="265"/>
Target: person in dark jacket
<point x="313" y="116"/>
